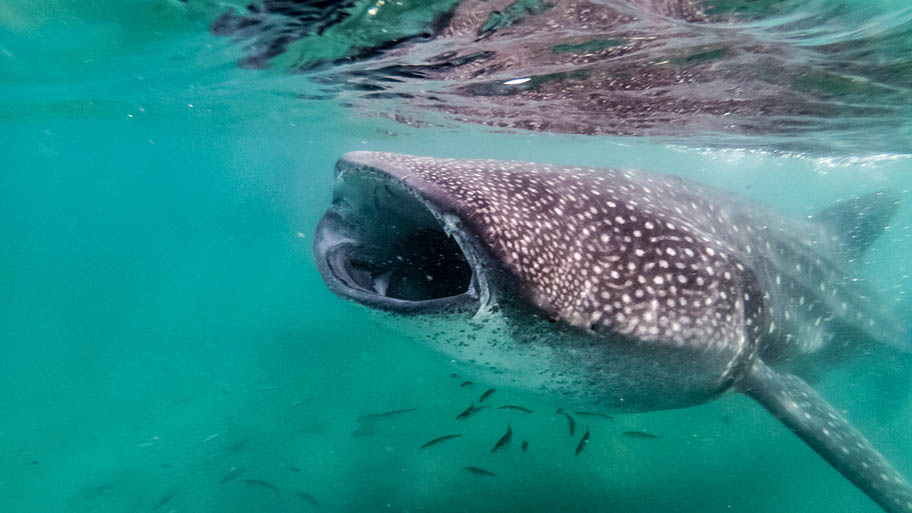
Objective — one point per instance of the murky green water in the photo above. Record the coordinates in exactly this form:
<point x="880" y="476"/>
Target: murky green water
<point x="162" y="322"/>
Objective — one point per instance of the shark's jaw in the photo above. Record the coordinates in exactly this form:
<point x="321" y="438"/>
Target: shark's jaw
<point x="391" y="246"/>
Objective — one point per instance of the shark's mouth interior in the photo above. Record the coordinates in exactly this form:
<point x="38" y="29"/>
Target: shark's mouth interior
<point x="381" y="245"/>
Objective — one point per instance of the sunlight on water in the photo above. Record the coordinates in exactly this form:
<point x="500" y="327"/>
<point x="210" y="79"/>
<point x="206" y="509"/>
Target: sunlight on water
<point x="168" y="344"/>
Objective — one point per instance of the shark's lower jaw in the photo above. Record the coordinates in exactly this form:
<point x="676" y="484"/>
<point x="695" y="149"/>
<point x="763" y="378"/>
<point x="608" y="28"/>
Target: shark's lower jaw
<point x="382" y="245"/>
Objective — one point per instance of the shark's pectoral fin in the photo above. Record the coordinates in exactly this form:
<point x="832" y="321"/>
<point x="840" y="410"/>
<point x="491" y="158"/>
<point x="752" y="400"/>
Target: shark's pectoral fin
<point x="809" y="416"/>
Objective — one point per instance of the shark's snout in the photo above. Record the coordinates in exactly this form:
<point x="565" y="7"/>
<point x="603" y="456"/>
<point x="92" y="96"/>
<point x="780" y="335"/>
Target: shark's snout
<point x="385" y="244"/>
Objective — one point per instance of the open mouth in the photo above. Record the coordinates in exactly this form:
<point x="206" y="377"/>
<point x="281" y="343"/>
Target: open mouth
<point x="385" y="245"/>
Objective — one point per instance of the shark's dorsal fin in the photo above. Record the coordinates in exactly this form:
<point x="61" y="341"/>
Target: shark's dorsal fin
<point x="857" y="222"/>
<point x="822" y="427"/>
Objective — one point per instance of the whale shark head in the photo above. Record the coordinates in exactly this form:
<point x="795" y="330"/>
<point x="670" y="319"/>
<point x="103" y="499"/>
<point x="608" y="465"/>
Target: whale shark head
<point x="408" y="237"/>
<point x="394" y="246"/>
<point x="415" y="235"/>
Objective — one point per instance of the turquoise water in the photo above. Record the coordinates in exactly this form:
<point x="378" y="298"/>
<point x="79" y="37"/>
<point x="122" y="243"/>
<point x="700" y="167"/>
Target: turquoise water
<point x="163" y="323"/>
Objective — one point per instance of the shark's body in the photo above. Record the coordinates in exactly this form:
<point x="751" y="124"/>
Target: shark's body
<point x="621" y="289"/>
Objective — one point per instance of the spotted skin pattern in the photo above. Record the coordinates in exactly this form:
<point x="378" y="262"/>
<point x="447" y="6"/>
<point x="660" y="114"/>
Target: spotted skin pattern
<point x="674" y="267"/>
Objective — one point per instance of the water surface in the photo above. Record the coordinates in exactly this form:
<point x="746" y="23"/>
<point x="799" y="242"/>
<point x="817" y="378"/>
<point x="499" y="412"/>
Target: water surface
<point x="163" y="325"/>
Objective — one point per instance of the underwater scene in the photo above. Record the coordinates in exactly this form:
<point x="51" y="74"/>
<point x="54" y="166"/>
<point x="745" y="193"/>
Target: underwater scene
<point x="456" y="256"/>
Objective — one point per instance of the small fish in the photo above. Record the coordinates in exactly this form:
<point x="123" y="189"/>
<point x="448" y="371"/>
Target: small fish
<point x="454" y="375"/>
<point x="235" y="447"/>
<point x="164" y="500"/>
<point x="89" y="493"/>
<point x="525" y="446"/>
<point x="259" y="483"/>
<point x="368" y="417"/>
<point x="212" y="437"/>
<point x="593" y="414"/>
<point x="487" y="394"/>
<point x="582" y="443"/>
<point x="640" y="434"/>
<point x="468" y="412"/>
<point x="478" y="471"/>
<point x="308" y="498"/>
<point x="292" y="468"/>
<point x="466" y="384"/>
<point x="570" y="422"/>
<point x="233" y="473"/>
<point x="438" y="440"/>
<point x="504" y="440"/>
<point x="514" y="407"/>
<point x="299" y="402"/>
<point x="371" y="428"/>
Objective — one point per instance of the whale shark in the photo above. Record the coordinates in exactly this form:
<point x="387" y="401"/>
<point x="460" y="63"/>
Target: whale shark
<point x="618" y="289"/>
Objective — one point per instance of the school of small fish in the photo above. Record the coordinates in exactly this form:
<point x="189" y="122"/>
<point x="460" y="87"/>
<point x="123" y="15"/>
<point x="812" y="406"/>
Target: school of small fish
<point x="368" y="425"/>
